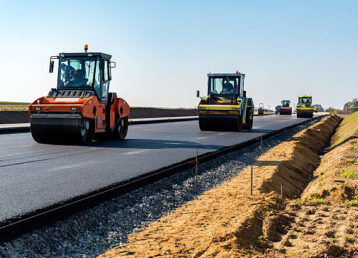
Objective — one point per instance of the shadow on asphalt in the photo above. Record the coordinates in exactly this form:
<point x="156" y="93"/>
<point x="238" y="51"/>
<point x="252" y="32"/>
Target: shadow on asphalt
<point x="154" y="144"/>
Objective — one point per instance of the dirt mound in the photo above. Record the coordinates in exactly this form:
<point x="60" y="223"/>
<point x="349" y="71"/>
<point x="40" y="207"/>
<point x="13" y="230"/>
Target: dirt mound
<point x="291" y="163"/>
<point x="226" y="220"/>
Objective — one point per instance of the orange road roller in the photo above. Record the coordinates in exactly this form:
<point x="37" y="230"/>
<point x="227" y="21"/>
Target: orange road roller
<point x="285" y="108"/>
<point x="81" y="106"/>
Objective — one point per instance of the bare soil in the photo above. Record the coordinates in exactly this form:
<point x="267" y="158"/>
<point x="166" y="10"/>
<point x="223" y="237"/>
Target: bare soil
<point x="325" y="219"/>
<point x="227" y="221"/>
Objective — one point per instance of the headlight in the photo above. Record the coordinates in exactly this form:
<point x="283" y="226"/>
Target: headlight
<point x="74" y="108"/>
<point x="37" y="108"/>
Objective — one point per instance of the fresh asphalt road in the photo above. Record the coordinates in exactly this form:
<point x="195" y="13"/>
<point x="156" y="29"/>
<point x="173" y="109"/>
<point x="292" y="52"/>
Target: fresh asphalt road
<point x="33" y="176"/>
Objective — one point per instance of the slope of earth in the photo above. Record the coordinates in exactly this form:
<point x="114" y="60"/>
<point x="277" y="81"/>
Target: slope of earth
<point x="325" y="219"/>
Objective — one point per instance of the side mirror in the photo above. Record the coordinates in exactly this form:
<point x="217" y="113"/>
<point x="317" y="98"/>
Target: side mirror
<point x="52" y="63"/>
<point x="198" y="94"/>
<point x="113" y="64"/>
<point x="244" y="94"/>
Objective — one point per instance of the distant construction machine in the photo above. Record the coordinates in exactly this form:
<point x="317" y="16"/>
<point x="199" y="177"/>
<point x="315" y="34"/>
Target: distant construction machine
<point x="285" y="108"/>
<point x="304" y="106"/>
<point x="261" y="109"/>
<point x="81" y="105"/>
<point x="226" y="106"/>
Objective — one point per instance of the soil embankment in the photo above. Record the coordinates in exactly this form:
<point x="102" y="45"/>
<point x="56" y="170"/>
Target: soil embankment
<point x="324" y="222"/>
<point x="227" y="220"/>
<point x="11" y="117"/>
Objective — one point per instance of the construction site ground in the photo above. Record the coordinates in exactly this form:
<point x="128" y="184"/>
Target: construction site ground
<point x="317" y="214"/>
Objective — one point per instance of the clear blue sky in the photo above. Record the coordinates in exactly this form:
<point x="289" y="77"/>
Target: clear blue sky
<point x="164" y="49"/>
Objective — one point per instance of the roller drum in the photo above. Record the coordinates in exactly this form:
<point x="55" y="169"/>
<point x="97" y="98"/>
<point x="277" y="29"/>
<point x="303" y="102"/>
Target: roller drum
<point x="56" y="129"/>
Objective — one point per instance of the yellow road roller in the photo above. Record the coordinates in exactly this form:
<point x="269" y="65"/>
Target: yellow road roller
<point x="226" y="106"/>
<point x="304" y="107"/>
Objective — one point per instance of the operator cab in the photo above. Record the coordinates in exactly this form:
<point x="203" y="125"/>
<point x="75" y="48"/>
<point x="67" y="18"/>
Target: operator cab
<point x="305" y="100"/>
<point x="88" y="73"/>
<point x="225" y="88"/>
<point x="285" y="103"/>
<point x="226" y="84"/>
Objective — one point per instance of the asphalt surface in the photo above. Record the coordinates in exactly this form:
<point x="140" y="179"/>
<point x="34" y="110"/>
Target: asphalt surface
<point x="35" y="175"/>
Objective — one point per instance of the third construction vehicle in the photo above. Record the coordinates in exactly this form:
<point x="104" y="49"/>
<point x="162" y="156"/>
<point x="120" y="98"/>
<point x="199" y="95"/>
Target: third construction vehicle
<point x="304" y="107"/>
<point x="81" y="106"/>
<point x="285" y="108"/>
<point x="226" y="107"/>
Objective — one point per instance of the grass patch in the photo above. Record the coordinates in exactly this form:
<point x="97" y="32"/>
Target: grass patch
<point x="333" y="239"/>
<point x="352" y="161"/>
<point x="354" y="147"/>
<point x="299" y="229"/>
<point x="318" y="201"/>
<point x="350" y="239"/>
<point x="349" y="173"/>
<point x="352" y="203"/>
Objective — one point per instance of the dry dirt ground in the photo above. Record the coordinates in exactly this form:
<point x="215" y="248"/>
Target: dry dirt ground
<point x="324" y="222"/>
<point x="227" y="221"/>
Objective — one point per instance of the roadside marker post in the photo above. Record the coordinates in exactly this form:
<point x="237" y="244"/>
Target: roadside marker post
<point x="281" y="189"/>
<point x="252" y="175"/>
<point x="196" y="171"/>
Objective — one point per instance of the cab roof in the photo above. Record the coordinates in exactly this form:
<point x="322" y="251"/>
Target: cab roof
<point x="225" y="74"/>
<point x="86" y="54"/>
<point x="305" y="96"/>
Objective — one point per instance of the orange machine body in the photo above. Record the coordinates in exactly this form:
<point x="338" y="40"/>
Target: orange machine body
<point x="81" y="108"/>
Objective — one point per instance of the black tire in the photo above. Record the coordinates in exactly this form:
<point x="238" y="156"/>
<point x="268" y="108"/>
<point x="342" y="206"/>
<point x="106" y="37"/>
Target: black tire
<point x="121" y="128"/>
<point x="249" y="120"/>
<point x="86" y="131"/>
<point x="238" y="124"/>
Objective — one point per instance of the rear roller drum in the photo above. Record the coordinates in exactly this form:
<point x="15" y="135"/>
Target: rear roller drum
<point x="249" y="120"/>
<point x="238" y="124"/>
<point x="121" y="128"/>
<point x="86" y="131"/>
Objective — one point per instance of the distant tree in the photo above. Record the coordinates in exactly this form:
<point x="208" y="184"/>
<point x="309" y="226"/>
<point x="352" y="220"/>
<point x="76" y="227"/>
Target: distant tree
<point x="351" y="106"/>
<point x="319" y="107"/>
<point x="331" y="110"/>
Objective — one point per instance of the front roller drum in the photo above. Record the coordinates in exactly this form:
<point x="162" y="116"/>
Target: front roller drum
<point x="62" y="130"/>
<point x="301" y="114"/>
<point x="220" y="123"/>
